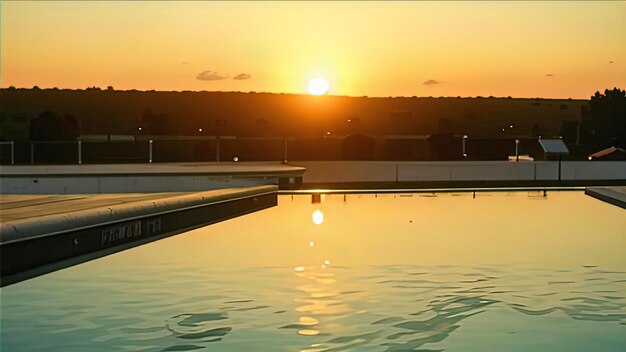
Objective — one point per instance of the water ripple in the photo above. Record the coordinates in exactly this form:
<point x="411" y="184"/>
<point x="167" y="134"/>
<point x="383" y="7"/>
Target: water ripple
<point x="411" y="308"/>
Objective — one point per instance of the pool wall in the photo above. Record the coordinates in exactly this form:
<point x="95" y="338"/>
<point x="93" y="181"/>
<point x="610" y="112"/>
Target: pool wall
<point x="36" y="246"/>
<point x="464" y="174"/>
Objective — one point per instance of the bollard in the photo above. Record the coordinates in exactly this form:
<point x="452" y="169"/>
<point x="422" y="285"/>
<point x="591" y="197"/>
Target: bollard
<point x="32" y="154"/>
<point x="12" y="153"/>
<point x="517" y="150"/>
<point x="80" y="153"/>
<point x="150" y="151"/>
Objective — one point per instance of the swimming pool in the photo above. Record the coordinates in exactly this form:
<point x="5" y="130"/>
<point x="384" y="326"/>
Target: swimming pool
<point x="499" y="271"/>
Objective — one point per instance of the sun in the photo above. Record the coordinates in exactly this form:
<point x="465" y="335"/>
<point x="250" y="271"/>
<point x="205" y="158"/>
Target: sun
<point x="318" y="86"/>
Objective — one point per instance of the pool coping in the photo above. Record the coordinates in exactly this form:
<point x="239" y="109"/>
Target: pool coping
<point x="430" y="190"/>
<point x="35" y="246"/>
<point x="611" y="195"/>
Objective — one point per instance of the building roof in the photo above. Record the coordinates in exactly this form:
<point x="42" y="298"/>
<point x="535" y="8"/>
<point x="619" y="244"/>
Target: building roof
<point x="553" y="146"/>
<point x="604" y="152"/>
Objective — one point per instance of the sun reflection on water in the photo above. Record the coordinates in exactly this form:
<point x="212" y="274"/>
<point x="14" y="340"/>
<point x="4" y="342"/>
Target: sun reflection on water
<point x="318" y="217"/>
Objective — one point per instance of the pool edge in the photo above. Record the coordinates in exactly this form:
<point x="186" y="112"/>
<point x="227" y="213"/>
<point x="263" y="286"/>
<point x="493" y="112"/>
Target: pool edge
<point x="37" y="255"/>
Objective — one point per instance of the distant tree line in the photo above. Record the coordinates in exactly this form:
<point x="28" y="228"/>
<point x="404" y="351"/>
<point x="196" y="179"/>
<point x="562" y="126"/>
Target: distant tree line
<point x="605" y="124"/>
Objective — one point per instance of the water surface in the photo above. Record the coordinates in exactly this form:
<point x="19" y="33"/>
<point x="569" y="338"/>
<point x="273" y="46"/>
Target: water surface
<point x="391" y="272"/>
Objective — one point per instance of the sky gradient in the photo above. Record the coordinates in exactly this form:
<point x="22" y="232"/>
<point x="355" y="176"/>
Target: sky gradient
<point x="519" y="49"/>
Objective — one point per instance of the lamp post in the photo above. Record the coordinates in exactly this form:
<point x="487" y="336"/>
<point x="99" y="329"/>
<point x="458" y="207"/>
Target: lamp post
<point x="463" y="146"/>
<point x="285" y="151"/>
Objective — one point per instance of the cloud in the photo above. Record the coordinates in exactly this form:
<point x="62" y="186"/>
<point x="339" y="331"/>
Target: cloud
<point x="242" y="76"/>
<point x="431" y="82"/>
<point x="209" y="76"/>
<point x="549" y="74"/>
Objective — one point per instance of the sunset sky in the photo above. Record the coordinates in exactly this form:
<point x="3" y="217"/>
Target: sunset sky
<point x="520" y="49"/>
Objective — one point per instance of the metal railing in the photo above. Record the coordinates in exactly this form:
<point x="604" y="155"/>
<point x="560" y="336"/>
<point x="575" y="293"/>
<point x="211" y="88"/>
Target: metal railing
<point x="150" y="149"/>
<point x="74" y="152"/>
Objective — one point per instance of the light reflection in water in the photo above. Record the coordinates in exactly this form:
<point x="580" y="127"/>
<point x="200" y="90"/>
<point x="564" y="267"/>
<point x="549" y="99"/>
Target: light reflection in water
<point x="318" y="217"/>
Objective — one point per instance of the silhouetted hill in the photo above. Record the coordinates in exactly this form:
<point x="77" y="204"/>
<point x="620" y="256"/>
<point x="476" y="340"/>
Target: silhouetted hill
<point x="264" y="114"/>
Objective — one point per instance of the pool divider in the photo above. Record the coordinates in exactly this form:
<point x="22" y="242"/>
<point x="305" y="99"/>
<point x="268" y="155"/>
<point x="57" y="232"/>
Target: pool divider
<point x="36" y="246"/>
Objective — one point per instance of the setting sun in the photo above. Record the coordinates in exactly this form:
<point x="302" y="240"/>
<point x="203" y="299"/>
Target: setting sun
<point x="318" y="86"/>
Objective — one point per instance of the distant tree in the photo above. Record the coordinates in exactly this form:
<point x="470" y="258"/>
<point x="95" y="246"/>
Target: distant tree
<point x="220" y="126"/>
<point x="50" y="126"/>
<point x="11" y="87"/>
<point x="72" y="127"/>
<point x="536" y="130"/>
<point x="162" y="124"/>
<point x="261" y="128"/>
<point x="156" y="124"/>
<point x="605" y="124"/>
<point x="36" y="88"/>
<point x="358" y="147"/>
<point x="110" y="88"/>
<point x="147" y="116"/>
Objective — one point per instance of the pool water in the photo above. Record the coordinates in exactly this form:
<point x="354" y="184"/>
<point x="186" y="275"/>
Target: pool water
<point x="497" y="271"/>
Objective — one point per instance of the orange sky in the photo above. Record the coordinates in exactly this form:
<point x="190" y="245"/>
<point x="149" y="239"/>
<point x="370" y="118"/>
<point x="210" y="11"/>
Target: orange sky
<point x="521" y="49"/>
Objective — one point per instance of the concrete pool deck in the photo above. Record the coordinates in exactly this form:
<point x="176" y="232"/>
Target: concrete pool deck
<point x="27" y="206"/>
<point x="612" y="195"/>
<point x="207" y="168"/>
<point x="153" y="178"/>
<point x="43" y="233"/>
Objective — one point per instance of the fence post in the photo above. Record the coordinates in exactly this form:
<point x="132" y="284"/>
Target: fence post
<point x="80" y="153"/>
<point x="150" y="151"/>
<point x="32" y="153"/>
<point x="285" y="151"/>
<point x="217" y="148"/>
<point x="12" y="153"/>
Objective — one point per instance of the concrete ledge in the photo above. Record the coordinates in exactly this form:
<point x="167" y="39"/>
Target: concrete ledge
<point x="459" y="184"/>
<point x="20" y="230"/>
<point x="318" y="172"/>
<point x="243" y="169"/>
<point x="612" y="195"/>
<point x="133" y="178"/>
<point x="34" y="246"/>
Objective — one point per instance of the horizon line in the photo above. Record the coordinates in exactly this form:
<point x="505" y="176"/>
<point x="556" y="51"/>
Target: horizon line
<point x="96" y="88"/>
